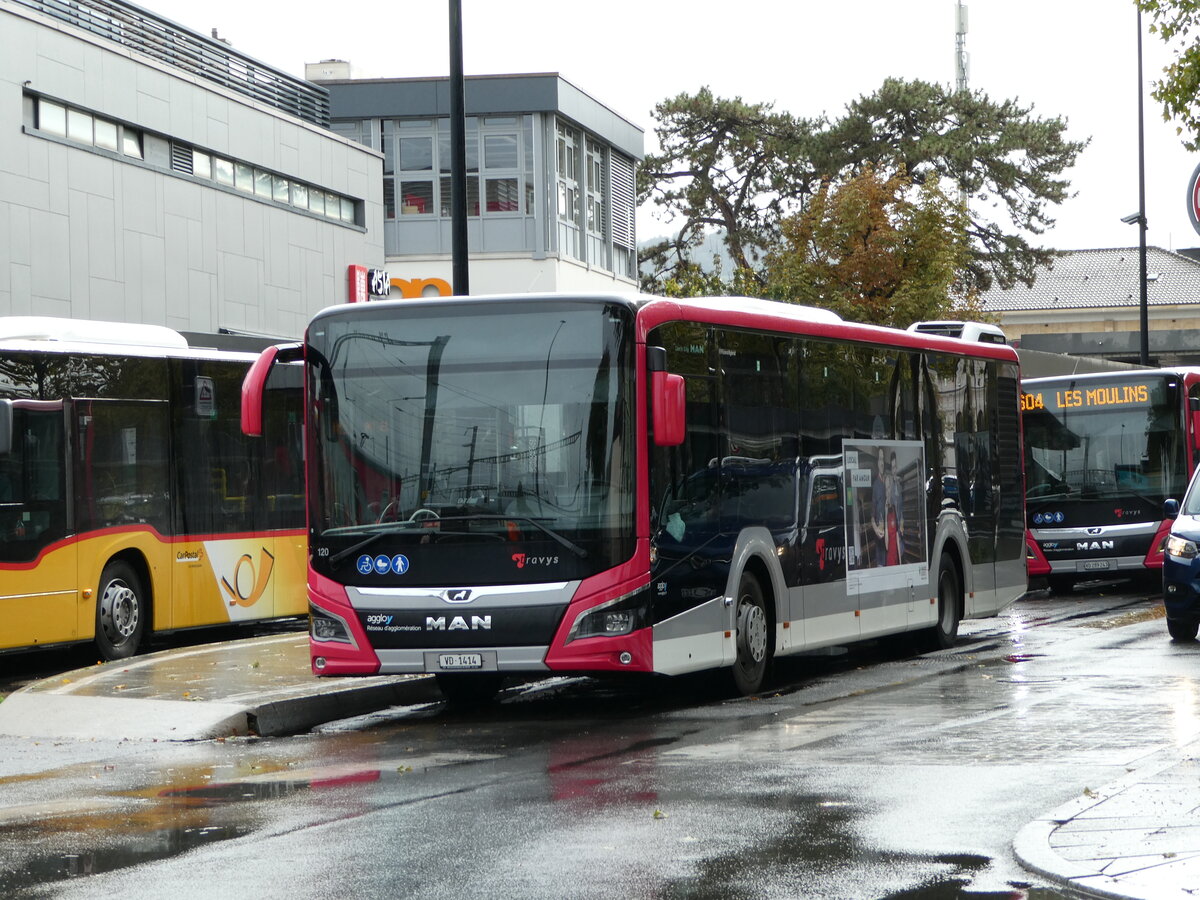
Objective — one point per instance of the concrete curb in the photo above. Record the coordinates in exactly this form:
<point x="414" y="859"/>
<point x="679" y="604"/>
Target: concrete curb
<point x="1034" y="844"/>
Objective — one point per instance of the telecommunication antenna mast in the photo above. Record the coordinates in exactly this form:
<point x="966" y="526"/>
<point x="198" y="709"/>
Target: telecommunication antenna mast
<point x="962" y="59"/>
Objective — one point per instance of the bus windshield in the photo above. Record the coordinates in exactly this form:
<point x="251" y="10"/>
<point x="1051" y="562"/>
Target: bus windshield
<point x="1116" y="440"/>
<point x="472" y="423"/>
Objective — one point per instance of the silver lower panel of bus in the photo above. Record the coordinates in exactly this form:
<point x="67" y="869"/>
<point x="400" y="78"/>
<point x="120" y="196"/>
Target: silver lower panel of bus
<point x="462" y="601"/>
<point x="493" y="659"/>
<point x="1095" y="565"/>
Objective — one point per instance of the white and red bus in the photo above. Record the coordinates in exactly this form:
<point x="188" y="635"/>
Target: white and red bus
<point x="130" y="501"/>
<point x="599" y="483"/>
<point x="1102" y="453"/>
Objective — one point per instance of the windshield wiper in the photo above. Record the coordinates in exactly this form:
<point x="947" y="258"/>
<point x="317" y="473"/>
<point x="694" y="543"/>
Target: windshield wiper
<point x="549" y="532"/>
<point x="377" y="532"/>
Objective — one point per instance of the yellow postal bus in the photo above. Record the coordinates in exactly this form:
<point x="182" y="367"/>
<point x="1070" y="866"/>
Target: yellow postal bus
<point x="130" y="501"/>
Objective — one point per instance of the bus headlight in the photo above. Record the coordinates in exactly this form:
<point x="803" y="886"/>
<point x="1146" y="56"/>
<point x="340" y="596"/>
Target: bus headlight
<point x="621" y="615"/>
<point x="1181" y="547"/>
<point x="325" y="626"/>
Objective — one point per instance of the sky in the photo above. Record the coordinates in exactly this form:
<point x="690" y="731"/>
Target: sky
<point x="1075" y="59"/>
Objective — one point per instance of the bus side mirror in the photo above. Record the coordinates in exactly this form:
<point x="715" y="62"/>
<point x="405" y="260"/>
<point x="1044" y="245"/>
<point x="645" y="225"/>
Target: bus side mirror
<point x="6" y="427"/>
<point x="1170" y="509"/>
<point x="668" y="398"/>
<point x="254" y="385"/>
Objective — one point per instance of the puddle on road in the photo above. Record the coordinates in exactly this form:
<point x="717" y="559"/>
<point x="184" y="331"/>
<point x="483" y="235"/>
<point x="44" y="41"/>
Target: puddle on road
<point x="957" y="889"/>
<point x="67" y="856"/>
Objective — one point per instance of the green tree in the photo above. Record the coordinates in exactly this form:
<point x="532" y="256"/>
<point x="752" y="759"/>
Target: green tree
<point x="876" y="248"/>
<point x="1177" y="22"/>
<point x="1009" y="163"/>
<point x="724" y="165"/>
<point x="742" y="168"/>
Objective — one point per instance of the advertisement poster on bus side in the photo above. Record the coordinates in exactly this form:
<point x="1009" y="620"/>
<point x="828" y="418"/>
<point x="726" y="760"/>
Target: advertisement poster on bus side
<point x="886" y="544"/>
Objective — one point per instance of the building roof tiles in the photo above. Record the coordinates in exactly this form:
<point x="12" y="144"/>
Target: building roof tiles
<point x="1103" y="278"/>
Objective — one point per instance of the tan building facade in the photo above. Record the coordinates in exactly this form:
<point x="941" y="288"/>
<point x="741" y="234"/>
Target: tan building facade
<point x="1088" y="303"/>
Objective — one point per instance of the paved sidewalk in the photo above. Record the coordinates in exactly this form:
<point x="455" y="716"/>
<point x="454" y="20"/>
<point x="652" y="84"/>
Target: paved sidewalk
<point x="1136" y="838"/>
<point x="251" y="686"/>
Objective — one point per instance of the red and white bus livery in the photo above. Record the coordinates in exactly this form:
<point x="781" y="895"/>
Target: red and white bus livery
<point x="597" y="483"/>
<point x="1102" y="453"/>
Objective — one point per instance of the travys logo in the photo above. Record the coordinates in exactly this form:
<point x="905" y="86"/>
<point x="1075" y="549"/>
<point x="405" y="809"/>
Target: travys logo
<point x="249" y="581"/>
<point x="522" y="560"/>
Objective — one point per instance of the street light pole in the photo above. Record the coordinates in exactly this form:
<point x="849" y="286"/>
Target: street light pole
<point x="458" y="156"/>
<point x="1143" y="308"/>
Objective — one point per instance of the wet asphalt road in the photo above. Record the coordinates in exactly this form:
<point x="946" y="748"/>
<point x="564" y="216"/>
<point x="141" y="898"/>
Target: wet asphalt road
<point x="870" y="774"/>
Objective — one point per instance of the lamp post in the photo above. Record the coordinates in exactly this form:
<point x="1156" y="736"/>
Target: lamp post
<point x="458" y="156"/>
<point x="1140" y="216"/>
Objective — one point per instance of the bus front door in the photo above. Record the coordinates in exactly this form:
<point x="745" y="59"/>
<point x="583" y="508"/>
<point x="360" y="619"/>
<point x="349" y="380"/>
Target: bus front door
<point x="39" y="600"/>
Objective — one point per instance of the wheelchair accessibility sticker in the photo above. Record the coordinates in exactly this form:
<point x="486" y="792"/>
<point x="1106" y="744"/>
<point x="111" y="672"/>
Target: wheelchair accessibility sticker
<point x="382" y="565"/>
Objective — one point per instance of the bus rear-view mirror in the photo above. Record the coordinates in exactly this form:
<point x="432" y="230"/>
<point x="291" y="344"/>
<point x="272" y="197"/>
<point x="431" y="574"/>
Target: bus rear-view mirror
<point x="668" y="398"/>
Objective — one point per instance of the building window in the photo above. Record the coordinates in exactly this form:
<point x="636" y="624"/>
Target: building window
<point x="84" y="128"/>
<point x="567" y="184"/>
<point x="81" y="127"/>
<point x="223" y="171"/>
<point x="622" y="206"/>
<point x="357" y="130"/>
<point x="106" y="135"/>
<point x="52" y="118"/>
<point x="201" y="164"/>
<point x="243" y="177"/>
<point x="596" y="190"/>
<point x="417" y="160"/>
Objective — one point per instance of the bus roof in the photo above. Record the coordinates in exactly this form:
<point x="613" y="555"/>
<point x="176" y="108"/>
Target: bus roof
<point x="45" y="334"/>
<point x="88" y="331"/>
<point x="1117" y="375"/>
<point x="743" y="312"/>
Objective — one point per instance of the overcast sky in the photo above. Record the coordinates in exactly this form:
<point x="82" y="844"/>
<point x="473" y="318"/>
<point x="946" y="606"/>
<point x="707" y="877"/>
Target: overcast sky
<point x="1071" y="58"/>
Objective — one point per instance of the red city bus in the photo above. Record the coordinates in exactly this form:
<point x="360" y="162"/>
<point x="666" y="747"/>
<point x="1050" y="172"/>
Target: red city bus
<point x="1102" y="453"/>
<point x="599" y="483"/>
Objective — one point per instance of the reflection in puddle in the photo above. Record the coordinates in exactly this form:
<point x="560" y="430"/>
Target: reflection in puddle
<point x="43" y="866"/>
<point x="263" y="789"/>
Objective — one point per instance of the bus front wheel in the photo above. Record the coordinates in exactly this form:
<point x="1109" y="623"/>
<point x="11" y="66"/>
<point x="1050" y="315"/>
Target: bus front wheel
<point x="751" y="636"/>
<point x="120" y="611"/>
<point x="462" y="690"/>
<point x="949" y="604"/>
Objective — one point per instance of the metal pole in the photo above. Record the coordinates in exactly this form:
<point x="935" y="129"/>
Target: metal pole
<point x="1144" y="308"/>
<point x="458" y="156"/>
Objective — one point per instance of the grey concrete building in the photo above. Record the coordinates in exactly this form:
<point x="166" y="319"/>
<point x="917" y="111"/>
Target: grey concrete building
<point x="152" y="174"/>
<point x="550" y="187"/>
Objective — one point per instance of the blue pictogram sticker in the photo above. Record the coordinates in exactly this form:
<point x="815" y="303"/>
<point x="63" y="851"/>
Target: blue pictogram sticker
<point x="383" y="565"/>
<point x="399" y="564"/>
<point x="366" y="565"/>
<point x="1037" y="518"/>
<point x="1059" y="517"/>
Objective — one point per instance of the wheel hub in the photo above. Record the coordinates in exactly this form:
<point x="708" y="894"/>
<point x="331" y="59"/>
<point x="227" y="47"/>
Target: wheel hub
<point x="118" y="610"/>
<point x="752" y="631"/>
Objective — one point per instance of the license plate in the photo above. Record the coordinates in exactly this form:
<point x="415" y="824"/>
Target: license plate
<point x="1091" y="564"/>
<point x="460" y="661"/>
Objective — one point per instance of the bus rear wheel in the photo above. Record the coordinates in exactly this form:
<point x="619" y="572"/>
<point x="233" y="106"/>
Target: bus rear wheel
<point x="751" y="636"/>
<point x="120" y="611"/>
